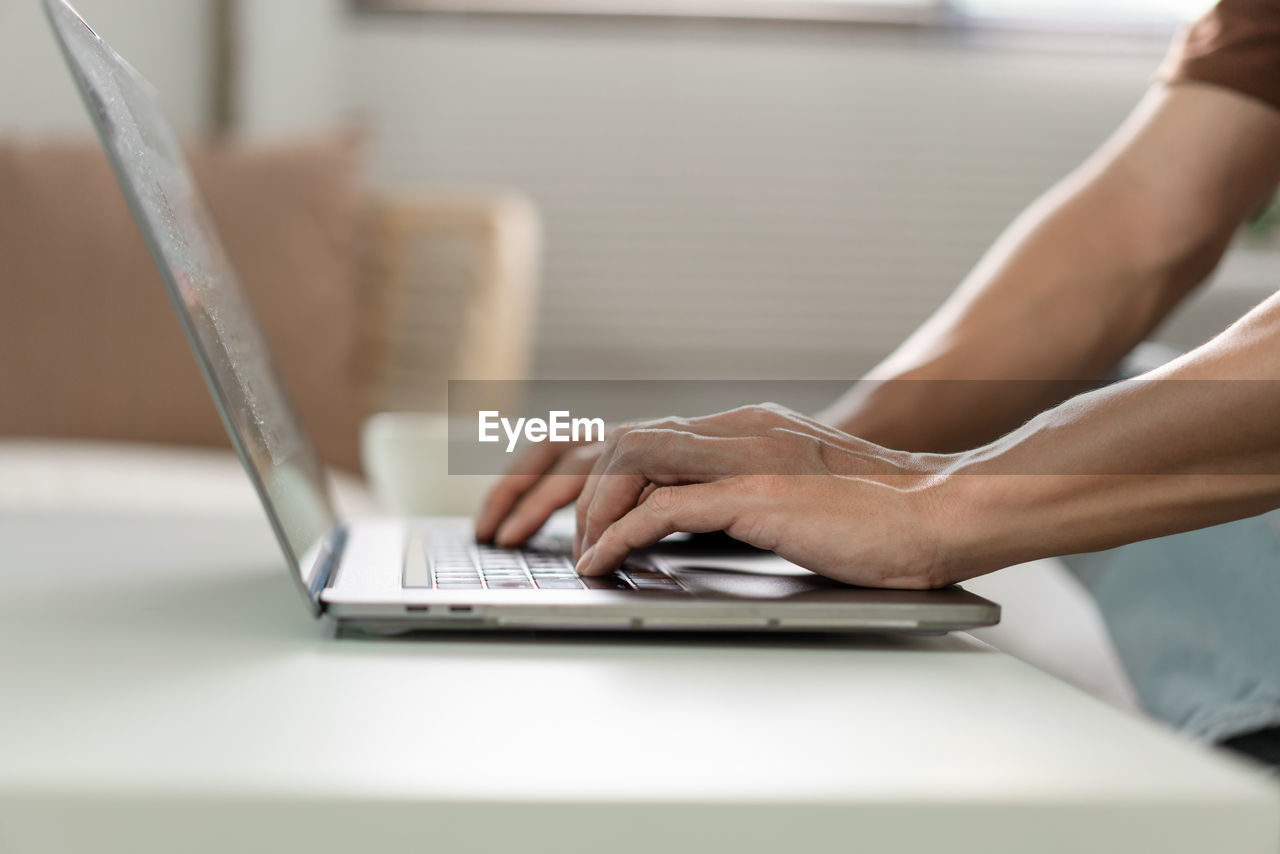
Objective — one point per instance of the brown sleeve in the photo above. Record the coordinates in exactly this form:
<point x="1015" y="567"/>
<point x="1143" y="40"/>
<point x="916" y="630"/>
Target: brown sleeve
<point x="1236" y="45"/>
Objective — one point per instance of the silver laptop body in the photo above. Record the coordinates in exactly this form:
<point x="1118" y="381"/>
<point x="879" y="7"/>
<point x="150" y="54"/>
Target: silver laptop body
<point x="394" y="574"/>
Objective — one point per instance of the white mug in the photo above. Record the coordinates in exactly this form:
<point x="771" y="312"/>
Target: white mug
<point x="406" y="459"/>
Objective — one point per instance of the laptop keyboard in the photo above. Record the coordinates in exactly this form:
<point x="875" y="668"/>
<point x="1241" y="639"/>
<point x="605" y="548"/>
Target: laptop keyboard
<point x="455" y="562"/>
<point x="464" y="566"/>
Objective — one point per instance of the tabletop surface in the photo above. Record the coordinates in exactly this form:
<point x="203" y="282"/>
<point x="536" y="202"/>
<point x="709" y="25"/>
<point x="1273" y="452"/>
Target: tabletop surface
<point x="167" y="658"/>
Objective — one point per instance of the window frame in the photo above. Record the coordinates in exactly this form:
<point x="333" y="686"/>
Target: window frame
<point x="882" y="12"/>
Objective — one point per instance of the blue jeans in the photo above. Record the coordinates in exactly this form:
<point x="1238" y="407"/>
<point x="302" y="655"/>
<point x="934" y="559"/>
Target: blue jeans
<point x="1195" y="618"/>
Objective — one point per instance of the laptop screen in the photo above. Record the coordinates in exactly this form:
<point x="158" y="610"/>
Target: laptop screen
<point x="218" y="320"/>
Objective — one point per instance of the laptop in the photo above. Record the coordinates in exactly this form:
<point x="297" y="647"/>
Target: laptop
<point x="404" y="574"/>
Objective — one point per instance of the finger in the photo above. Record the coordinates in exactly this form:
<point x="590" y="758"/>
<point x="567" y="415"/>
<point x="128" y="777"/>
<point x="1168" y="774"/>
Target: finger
<point x="615" y="494"/>
<point x="696" y="508"/>
<point x="589" y="488"/>
<point x="584" y="500"/>
<point x="527" y="471"/>
<point x="557" y="488"/>
<point x="662" y="457"/>
<point x="608" y="462"/>
<point x="708" y="426"/>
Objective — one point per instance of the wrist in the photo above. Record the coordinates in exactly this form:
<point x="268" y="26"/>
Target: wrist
<point x="953" y="509"/>
<point x="975" y="518"/>
<point x="935" y="540"/>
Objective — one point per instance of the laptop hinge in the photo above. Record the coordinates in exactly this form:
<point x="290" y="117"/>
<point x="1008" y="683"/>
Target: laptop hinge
<point x="327" y="562"/>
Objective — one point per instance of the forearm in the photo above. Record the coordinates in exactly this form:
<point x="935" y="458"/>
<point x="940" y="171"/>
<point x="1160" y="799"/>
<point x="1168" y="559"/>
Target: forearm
<point x="1078" y="280"/>
<point x="1191" y="445"/>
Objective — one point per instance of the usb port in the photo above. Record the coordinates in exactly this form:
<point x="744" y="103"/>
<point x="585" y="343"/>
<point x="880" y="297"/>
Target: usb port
<point x="459" y="609"/>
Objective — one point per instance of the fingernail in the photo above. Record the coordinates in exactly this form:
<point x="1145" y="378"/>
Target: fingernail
<point x="503" y="537"/>
<point x="584" y="562"/>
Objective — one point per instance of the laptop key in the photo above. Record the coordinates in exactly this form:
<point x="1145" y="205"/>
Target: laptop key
<point x="651" y="581"/>
<point x="559" y="583"/>
<point x="415" y="572"/>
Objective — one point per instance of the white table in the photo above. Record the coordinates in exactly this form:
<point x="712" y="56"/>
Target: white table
<point x="164" y="690"/>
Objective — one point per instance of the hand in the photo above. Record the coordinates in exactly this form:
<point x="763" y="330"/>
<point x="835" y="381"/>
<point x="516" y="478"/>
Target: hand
<point x="544" y="478"/>
<point x="777" y="480"/>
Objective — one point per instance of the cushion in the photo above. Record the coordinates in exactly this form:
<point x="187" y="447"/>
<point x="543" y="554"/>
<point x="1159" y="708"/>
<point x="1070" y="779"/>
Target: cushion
<point x="89" y="345"/>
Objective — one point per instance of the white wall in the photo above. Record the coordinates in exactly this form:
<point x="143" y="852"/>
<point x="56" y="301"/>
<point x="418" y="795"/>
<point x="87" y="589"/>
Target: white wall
<point x="165" y="39"/>
<point x="754" y="200"/>
<point x="288" y="77"/>
<point x="288" y="51"/>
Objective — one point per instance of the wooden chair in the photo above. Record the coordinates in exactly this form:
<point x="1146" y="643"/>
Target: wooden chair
<point x="452" y="289"/>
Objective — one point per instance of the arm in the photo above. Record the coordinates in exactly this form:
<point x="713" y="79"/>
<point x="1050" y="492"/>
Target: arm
<point x="1080" y="278"/>
<point x="1190" y="445"/>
